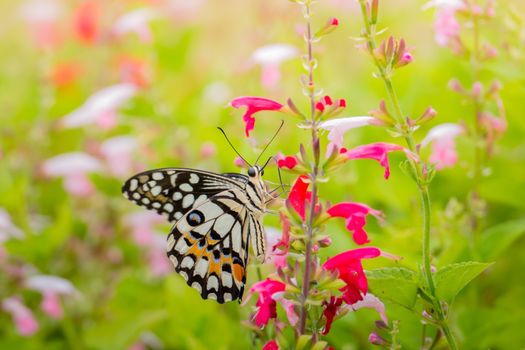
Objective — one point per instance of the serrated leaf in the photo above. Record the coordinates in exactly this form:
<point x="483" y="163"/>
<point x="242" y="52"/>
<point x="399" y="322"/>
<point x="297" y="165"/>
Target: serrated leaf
<point x="451" y="279"/>
<point x="497" y="239"/>
<point x="395" y="284"/>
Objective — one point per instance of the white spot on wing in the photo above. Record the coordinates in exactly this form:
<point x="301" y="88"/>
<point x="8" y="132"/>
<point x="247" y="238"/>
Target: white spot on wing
<point x="197" y="286"/>
<point x="174" y="260"/>
<point x="201" y="199"/>
<point x="184" y="275"/>
<point x="227" y="280"/>
<point x="156" y="190"/>
<point x="157" y="176"/>
<point x="194" y="178"/>
<point x="136" y="195"/>
<point x="227" y="297"/>
<point x="187" y="200"/>
<point x="178" y="215"/>
<point x="168" y="207"/>
<point x="181" y="246"/>
<point x="145" y="200"/>
<point x="133" y="184"/>
<point x="156" y="205"/>
<point x="212" y="296"/>
<point x="213" y="283"/>
<point x="201" y="268"/>
<point x="171" y="242"/>
<point x="177" y="196"/>
<point x="223" y="224"/>
<point x="187" y="262"/>
<point x="186" y="187"/>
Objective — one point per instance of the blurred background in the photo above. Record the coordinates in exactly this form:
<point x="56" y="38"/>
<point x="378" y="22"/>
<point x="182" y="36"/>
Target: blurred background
<point x="92" y="92"/>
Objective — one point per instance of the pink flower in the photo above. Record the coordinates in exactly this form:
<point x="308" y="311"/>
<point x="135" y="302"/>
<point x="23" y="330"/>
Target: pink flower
<point x="254" y="105"/>
<point x="446" y="26"/>
<point x="86" y="22"/>
<point x="118" y="154"/>
<point x="348" y="264"/>
<point x="158" y="263"/>
<point x="136" y="21"/>
<point x="443" y="137"/>
<point x="377" y="151"/>
<point x="134" y="71"/>
<point x="330" y="311"/>
<point x="271" y="345"/>
<point x="270" y="57"/>
<point x="355" y="215"/>
<point x="24" y="320"/>
<point x="239" y="162"/>
<point x="101" y="107"/>
<point x="73" y="167"/>
<point x="141" y="224"/>
<point x="338" y="127"/>
<point x="42" y="18"/>
<point x="286" y="161"/>
<point x="208" y="150"/>
<point x="51" y="306"/>
<point x="266" y="303"/>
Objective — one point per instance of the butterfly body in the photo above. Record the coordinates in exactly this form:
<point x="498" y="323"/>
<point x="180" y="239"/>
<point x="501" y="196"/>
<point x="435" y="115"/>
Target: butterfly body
<point x="215" y="218"/>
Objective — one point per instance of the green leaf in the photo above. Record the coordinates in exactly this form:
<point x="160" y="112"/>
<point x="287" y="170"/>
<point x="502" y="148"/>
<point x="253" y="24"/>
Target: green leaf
<point x="451" y="279"/>
<point x="497" y="239"/>
<point x="395" y="284"/>
<point x="320" y="345"/>
<point x="303" y="341"/>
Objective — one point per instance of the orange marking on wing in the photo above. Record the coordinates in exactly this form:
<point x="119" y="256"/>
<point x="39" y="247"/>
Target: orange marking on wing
<point x="238" y="272"/>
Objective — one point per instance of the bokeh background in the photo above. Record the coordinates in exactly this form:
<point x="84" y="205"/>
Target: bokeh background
<point x="93" y="91"/>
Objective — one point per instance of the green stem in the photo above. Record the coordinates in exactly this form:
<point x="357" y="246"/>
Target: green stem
<point x="313" y="177"/>
<point x="418" y="168"/>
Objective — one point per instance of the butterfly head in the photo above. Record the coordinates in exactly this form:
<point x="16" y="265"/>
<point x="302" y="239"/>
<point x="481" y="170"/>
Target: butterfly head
<point x="255" y="172"/>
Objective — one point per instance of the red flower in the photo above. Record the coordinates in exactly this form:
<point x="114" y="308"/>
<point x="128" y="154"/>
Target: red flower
<point x="266" y="304"/>
<point x="254" y="105"/>
<point x="330" y="311"/>
<point x="355" y="215"/>
<point x="286" y="161"/>
<point x="299" y="196"/>
<point x="377" y="151"/>
<point x="271" y="345"/>
<point x="86" y="22"/>
<point x="65" y="74"/>
<point x="348" y="264"/>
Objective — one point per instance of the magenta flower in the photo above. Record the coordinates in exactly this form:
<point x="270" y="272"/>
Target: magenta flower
<point x="288" y="162"/>
<point x="254" y="105"/>
<point x="443" y="137"/>
<point x="74" y="167"/>
<point x="348" y="264"/>
<point x="338" y="127"/>
<point x="270" y="57"/>
<point x="377" y="151"/>
<point x="23" y="317"/>
<point x="266" y="304"/>
<point x="271" y="345"/>
<point x="355" y="215"/>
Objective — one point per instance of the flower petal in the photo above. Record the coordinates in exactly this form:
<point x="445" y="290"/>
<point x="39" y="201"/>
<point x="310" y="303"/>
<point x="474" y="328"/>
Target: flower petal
<point x="254" y="105"/>
<point x="377" y="151"/>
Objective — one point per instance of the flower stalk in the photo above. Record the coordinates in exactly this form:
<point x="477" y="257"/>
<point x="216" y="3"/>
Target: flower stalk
<point x="419" y="168"/>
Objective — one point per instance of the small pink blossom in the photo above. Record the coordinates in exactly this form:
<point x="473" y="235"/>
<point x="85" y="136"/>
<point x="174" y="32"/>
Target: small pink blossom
<point x="134" y="71"/>
<point x="270" y="57"/>
<point x="101" y="107"/>
<point x="238" y="161"/>
<point x="376" y="339"/>
<point x="73" y="167"/>
<point x="271" y="345"/>
<point x="348" y="264"/>
<point x="136" y="21"/>
<point x="141" y="224"/>
<point x="208" y="150"/>
<point x="288" y="162"/>
<point x="443" y="137"/>
<point x="118" y="154"/>
<point x="446" y="26"/>
<point x="338" y="127"/>
<point x="42" y="17"/>
<point x="355" y="215"/>
<point x="377" y="151"/>
<point x="23" y="317"/>
<point x="51" y="305"/>
<point x="266" y="304"/>
<point x="254" y="105"/>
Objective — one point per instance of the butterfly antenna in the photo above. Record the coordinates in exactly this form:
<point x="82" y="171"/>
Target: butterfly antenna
<point x="231" y="145"/>
<point x="269" y="143"/>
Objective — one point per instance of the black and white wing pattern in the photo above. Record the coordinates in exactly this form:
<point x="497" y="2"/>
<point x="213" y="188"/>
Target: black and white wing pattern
<point x="215" y="218"/>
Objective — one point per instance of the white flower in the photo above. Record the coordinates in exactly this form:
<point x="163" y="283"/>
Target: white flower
<point x="50" y="284"/>
<point x="441" y="132"/>
<point x="136" y="21"/>
<point x="71" y="163"/>
<point x="7" y="228"/>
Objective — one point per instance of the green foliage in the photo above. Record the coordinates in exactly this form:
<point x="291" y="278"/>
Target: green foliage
<point x="451" y="279"/>
<point x="396" y="284"/>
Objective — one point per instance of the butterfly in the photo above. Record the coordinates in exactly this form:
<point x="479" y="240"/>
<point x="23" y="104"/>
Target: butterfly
<point x="215" y="217"/>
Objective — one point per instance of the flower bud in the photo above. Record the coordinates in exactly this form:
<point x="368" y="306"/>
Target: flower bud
<point x="376" y="339"/>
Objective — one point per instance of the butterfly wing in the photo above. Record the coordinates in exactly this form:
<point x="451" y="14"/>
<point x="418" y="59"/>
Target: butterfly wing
<point x="173" y="191"/>
<point x="209" y="246"/>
